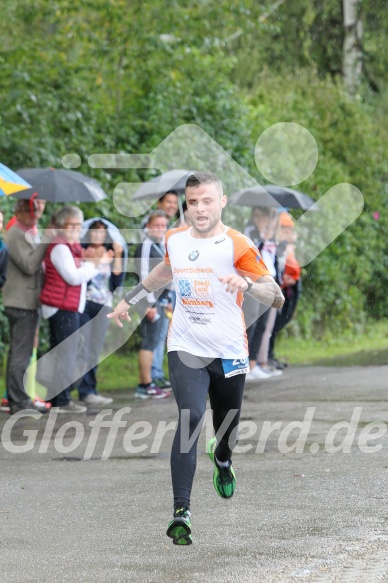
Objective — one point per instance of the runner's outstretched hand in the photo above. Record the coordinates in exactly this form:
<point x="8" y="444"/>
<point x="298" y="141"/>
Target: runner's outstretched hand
<point x="120" y="311"/>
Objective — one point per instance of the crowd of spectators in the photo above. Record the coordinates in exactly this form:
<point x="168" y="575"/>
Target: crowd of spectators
<point x="70" y="282"/>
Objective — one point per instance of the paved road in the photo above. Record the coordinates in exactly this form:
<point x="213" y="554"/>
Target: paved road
<point x="312" y="514"/>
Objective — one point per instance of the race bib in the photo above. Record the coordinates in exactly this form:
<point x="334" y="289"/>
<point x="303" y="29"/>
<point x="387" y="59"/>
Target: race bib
<point x="232" y="367"/>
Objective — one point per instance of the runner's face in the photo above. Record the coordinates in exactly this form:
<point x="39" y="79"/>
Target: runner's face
<point x="204" y="206"/>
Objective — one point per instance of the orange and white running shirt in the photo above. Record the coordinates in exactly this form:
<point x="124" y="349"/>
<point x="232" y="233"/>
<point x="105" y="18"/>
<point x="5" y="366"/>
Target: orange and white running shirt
<point x="207" y="320"/>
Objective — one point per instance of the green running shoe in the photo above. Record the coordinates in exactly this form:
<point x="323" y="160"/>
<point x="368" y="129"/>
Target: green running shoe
<point x="184" y="540"/>
<point x="224" y="479"/>
<point x="179" y="529"/>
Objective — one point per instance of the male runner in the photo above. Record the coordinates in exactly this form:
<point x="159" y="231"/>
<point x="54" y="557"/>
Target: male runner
<point x="211" y="266"/>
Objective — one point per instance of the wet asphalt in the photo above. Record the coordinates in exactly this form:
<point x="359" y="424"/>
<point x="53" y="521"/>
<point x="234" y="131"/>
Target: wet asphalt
<point x="310" y="504"/>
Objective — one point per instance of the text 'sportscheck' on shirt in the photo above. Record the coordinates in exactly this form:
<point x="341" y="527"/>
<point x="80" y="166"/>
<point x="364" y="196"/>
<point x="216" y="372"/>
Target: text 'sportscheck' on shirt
<point x="208" y="321"/>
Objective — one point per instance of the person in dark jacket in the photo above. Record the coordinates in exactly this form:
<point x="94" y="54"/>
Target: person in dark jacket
<point x="3" y="274"/>
<point x="148" y="254"/>
<point x="290" y="281"/>
<point x="3" y="254"/>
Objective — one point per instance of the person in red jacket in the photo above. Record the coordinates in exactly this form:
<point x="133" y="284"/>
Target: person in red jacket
<point x="67" y="270"/>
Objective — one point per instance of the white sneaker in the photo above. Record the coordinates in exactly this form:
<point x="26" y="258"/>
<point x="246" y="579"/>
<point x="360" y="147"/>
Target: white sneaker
<point x="272" y="371"/>
<point x="257" y="374"/>
<point x="93" y="399"/>
<point x="71" y="407"/>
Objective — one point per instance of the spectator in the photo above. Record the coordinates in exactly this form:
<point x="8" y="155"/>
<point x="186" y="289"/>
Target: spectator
<point x="290" y="282"/>
<point x="3" y="254"/>
<point x="169" y="204"/>
<point x="63" y="297"/>
<point x="98" y="305"/>
<point x="148" y="254"/>
<point x="3" y="272"/>
<point x="39" y="205"/>
<point x="269" y="255"/>
<point x="258" y="230"/>
<point x="184" y="220"/>
<point x="21" y="300"/>
<point x="257" y="225"/>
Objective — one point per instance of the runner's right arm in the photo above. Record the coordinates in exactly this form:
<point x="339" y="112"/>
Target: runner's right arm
<point x="159" y="277"/>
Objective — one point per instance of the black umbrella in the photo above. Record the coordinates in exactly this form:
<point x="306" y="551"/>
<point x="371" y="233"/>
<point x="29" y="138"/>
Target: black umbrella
<point x="57" y="185"/>
<point x="271" y="195"/>
<point x="157" y="187"/>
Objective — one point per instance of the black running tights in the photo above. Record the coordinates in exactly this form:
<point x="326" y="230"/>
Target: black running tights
<point x="191" y="385"/>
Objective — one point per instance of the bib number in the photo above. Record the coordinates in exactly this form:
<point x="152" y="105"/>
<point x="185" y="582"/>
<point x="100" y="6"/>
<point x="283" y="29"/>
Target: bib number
<point x="235" y="366"/>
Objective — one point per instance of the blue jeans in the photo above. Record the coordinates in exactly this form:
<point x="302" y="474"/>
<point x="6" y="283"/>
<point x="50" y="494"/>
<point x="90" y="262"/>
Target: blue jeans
<point x="93" y="339"/>
<point x="157" y="362"/>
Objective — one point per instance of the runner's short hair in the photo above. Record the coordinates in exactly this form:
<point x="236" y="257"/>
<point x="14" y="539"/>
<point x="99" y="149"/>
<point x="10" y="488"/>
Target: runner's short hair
<point x="207" y="177"/>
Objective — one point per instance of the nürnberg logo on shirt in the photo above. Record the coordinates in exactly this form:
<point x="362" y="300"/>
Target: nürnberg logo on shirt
<point x="194" y="255"/>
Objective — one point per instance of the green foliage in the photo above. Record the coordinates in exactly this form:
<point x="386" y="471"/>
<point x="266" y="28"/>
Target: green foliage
<point x="346" y="283"/>
<point x="116" y="76"/>
<point x="306" y="34"/>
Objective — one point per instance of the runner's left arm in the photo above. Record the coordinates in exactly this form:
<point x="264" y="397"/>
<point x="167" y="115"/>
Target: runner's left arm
<point x="264" y="289"/>
<point x="249" y="264"/>
<point x="159" y="277"/>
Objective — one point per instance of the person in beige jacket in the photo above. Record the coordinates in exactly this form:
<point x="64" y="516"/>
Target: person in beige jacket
<point x="21" y="300"/>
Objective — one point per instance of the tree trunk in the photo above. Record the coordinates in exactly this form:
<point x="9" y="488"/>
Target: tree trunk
<point x="352" y="53"/>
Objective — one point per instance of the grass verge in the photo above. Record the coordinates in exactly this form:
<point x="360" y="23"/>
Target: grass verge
<point x="366" y="349"/>
<point x="120" y="371"/>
